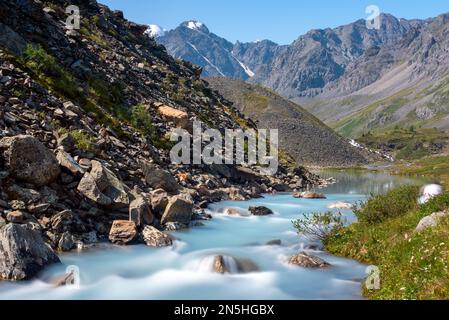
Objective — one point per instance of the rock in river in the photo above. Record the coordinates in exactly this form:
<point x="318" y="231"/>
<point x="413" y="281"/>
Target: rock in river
<point x="260" y="211"/>
<point x="23" y="252"/>
<point x="309" y="195"/>
<point x="307" y="261"/>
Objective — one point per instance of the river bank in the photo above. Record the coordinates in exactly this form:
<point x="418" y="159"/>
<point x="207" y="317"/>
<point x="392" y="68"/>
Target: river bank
<point x="184" y="270"/>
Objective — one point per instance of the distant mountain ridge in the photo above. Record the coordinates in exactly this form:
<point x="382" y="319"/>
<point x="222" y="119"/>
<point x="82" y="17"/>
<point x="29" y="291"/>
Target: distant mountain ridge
<point x="353" y="78"/>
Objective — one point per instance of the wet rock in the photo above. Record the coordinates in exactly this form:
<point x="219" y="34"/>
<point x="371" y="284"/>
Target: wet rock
<point x="260" y="211"/>
<point x="122" y="232"/>
<point x="158" y="178"/>
<point x="15" y="217"/>
<point x="30" y="160"/>
<point x="431" y="221"/>
<point x="140" y="212"/>
<point x="65" y="279"/>
<point x="179" y="209"/>
<point x="309" y="195"/>
<point x="307" y="261"/>
<point x="23" y="253"/>
<point x="219" y="265"/>
<point x="155" y="238"/>
<point x="274" y="243"/>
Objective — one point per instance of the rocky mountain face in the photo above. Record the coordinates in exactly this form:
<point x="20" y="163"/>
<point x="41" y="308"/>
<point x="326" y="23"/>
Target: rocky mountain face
<point x="403" y="84"/>
<point x="301" y="134"/>
<point x="354" y="78"/>
<point x="192" y="41"/>
<point x="84" y="154"/>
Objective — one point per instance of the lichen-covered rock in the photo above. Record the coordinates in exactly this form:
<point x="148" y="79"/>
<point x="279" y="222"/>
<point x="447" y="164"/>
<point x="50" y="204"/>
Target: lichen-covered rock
<point x="23" y="253"/>
<point x="30" y="160"/>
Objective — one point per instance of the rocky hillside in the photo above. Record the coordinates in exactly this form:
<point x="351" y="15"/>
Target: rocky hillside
<point x="84" y="154"/>
<point x="302" y="135"/>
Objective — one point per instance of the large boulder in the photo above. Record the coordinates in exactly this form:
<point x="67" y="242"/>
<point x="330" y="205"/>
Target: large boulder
<point x="140" y="212"/>
<point x="307" y="261"/>
<point x="158" y="178"/>
<point x="155" y="238"/>
<point x="179" y="209"/>
<point x="29" y="160"/>
<point x="102" y="186"/>
<point x="23" y="252"/>
<point x="123" y="232"/>
<point x="431" y="221"/>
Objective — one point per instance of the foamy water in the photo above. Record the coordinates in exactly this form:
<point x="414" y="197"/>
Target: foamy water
<point x="185" y="270"/>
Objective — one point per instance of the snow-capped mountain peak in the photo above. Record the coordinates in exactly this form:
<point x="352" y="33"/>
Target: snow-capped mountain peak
<point x="155" y="31"/>
<point x="194" y="25"/>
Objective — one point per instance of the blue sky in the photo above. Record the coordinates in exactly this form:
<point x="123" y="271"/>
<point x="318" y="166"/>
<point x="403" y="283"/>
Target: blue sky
<point x="281" y="21"/>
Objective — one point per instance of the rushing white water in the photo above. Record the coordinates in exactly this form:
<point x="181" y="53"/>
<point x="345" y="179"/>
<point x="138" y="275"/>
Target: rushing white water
<point x="184" y="271"/>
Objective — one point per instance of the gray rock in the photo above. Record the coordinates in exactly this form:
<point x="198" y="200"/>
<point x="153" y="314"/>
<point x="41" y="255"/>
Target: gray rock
<point x="431" y="221"/>
<point x="179" y="209"/>
<point x="11" y="40"/>
<point x="155" y="238"/>
<point x="90" y="190"/>
<point x="158" y="178"/>
<point x="67" y="162"/>
<point x="30" y="160"/>
<point x="175" y="226"/>
<point x="23" y="253"/>
<point x="140" y="212"/>
<point x="15" y="217"/>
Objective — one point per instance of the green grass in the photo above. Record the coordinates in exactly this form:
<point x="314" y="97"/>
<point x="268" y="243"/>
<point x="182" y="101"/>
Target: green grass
<point x="412" y="265"/>
<point x="436" y="167"/>
<point x="406" y="144"/>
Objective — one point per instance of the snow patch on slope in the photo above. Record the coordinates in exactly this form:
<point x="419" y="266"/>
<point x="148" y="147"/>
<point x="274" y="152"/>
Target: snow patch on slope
<point x="248" y="71"/>
<point x="207" y="60"/>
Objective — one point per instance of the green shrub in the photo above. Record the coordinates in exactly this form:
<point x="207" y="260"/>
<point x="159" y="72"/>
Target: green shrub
<point x="83" y="140"/>
<point x="319" y="226"/>
<point x="50" y="73"/>
<point x="393" y="204"/>
<point x="141" y="120"/>
<point x="436" y="204"/>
